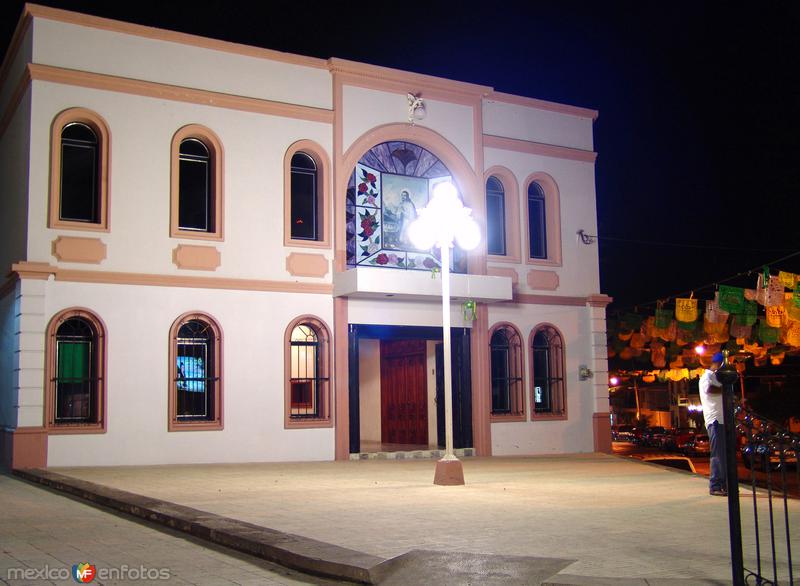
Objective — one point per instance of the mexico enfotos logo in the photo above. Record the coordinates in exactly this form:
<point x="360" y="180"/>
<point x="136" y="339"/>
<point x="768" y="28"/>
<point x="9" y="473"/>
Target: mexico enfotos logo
<point x="85" y="573"/>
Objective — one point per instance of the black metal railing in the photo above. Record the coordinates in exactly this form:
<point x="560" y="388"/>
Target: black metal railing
<point x="767" y="450"/>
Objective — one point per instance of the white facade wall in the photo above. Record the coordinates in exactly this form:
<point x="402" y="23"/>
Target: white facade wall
<point x="365" y="109"/>
<point x="550" y="437"/>
<point x="578" y="272"/>
<point x="141" y="131"/>
<point x="108" y="52"/>
<point x="138" y="320"/>
<point x="542" y="126"/>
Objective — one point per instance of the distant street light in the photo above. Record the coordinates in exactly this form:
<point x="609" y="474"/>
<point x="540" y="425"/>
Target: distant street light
<point x="444" y="219"/>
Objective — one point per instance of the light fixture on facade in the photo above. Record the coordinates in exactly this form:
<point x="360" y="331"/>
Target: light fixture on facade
<point x="443" y="220"/>
<point x="584" y="372"/>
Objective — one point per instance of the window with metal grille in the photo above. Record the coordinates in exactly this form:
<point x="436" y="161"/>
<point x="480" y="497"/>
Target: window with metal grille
<point x="495" y="216"/>
<point x="506" y="371"/>
<point x="307" y="378"/>
<point x="195" y="376"/>
<point x="195" y="197"/>
<point x="537" y="222"/>
<point x="304" y="197"/>
<point x="75" y="381"/>
<point x="79" y="193"/>
<point x="547" y="363"/>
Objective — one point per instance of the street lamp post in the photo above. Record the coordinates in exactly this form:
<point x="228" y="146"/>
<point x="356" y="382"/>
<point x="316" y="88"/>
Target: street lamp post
<point x="445" y="218"/>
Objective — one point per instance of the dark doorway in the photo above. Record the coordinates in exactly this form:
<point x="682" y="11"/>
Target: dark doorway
<point x="404" y="369"/>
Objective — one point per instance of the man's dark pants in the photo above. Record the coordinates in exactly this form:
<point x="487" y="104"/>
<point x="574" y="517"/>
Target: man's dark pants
<point x="716" y="437"/>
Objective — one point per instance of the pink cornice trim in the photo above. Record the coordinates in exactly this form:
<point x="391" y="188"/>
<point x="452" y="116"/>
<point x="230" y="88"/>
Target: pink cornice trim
<point x="430" y="82"/>
<point x="543" y="105"/>
<point x="599" y="300"/>
<point x="548" y="299"/>
<point x="177" y="93"/>
<point x="170" y="36"/>
<point x="537" y="148"/>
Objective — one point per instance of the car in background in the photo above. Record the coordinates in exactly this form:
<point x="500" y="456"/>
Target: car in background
<point x="699" y="445"/>
<point x="751" y="456"/>
<point x="679" y="439"/>
<point x="654" y="437"/>
<point x="622" y="433"/>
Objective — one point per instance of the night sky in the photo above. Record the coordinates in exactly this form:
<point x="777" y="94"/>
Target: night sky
<point x="698" y="173"/>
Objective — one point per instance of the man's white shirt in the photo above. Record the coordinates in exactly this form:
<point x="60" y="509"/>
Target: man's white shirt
<point x="712" y="402"/>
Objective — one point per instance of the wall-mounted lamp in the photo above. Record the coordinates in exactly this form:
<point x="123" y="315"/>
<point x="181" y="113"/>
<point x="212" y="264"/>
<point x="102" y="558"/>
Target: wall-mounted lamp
<point x="586" y="238"/>
<point x="584" y="372"/>
<point x="416" y="108"/>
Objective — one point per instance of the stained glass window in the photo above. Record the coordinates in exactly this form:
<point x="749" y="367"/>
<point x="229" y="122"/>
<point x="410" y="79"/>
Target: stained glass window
<point x="388" y="187"/>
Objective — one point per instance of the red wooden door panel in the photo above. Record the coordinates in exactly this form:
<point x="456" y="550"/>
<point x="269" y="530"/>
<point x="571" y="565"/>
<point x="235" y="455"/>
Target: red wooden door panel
<point x="404" y="392"/>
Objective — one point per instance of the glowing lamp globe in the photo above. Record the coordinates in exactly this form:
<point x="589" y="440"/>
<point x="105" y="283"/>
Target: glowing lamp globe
<point x="613" y="381"/>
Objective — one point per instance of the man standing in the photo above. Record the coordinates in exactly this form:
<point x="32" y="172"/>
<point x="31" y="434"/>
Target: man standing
<point x="711" y="399"/>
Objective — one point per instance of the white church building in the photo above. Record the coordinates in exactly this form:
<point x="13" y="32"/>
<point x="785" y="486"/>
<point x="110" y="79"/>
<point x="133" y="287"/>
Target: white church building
<point x="205" y="257"/>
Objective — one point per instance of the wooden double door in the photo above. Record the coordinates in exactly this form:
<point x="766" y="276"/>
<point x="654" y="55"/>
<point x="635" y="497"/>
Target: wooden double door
<point x="404" y="392"/>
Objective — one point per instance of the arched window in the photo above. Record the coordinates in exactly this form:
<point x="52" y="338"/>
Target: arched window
<point x="547" y="373"/>
<point x="304" y="197"/>
<point x="495" y="217"/>
<point x="79" y="174"/>
<point x="79" y="185"/>
<point x="543" y="213"/>
<point x="76" y="372"/>
<point x="508" y="399"/>
<point x="307" y="374"/>
<point x="196" y="186"/>
<point x="195" y="395"/>
<point x="195" y="201"/>
<point x="537" y="222"/>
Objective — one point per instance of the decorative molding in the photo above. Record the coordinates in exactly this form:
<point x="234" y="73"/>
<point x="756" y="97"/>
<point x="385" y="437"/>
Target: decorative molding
<point x="30" y="270"/>
<point x="504" y="272"/>
<point x="527" y="299"/>
<point x="170" y="36"/>
<point x="177" y="93"/>
<point x="543" y="105"/>
<point x="300" y="264"/>
<point x="39" y="271"/>
<point x="199" y="258"/>
<point x="404" y="82"/>
<point x="599" y="300"/>
<point x="546" y="280"/>
<point x="538" y="148"/>
<point x="74" y="249"/>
